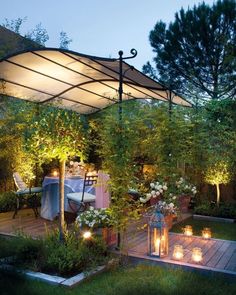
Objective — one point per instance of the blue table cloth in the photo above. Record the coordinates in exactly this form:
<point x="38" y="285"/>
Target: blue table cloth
<point x="50" y="196"/>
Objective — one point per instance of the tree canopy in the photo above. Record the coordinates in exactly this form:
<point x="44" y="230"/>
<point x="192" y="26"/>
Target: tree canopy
<point x="195" y="54"/>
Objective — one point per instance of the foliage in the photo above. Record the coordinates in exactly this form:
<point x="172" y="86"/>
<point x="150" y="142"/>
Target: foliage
<point x="38" y="34"/>
<point x="95" y="218"/>
<point x="64" y="40"/>
<point x="116" y="146"/>
<point x="56" y="134"/>
<point x="210" y="209"/>
<point x="13" y="129"/>
<point x="168" y="191"/>
<point x="74" y="255"/>
<point x="14" y="25"/>
<point x="50" y="255"/>
<point x="7" y="201"/>
<point x="195" y="53"/>
<point x="218" y="173"/>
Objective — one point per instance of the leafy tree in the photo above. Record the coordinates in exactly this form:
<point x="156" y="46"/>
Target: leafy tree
<point x="64" y="40"/>
<point x="218" y="173"/>
<point x="38" y="34"/>
<point x="14" y="25"/>
<point x="195" y="54"/>
<point x="12" y="130"/>
<point x="56" y="134"/>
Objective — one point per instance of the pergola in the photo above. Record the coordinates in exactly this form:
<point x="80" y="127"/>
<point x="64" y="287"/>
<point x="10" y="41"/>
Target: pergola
<point x="78" y="82"/>
<point x="82" y="83"/>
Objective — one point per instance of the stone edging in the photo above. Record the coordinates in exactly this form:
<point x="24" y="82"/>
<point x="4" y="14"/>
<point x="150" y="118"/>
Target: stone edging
<point x="213" y="218"/>
<point x="56" y="280"/>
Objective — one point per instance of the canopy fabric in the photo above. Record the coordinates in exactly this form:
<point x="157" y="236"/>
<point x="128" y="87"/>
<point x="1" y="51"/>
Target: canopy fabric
<point x="85" y="84"/>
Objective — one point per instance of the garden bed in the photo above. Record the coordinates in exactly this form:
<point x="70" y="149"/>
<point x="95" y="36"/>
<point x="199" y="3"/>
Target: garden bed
<point x="56" y="280"/>
<point x="213" y="218"/>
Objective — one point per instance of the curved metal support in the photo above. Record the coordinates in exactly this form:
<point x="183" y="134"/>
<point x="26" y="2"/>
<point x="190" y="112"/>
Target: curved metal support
<point x="121" y="75"/>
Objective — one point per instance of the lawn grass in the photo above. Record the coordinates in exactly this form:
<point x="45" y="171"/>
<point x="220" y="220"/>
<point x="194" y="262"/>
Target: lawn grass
<point x="220" y="230"/>
<point x="140" y="280"/>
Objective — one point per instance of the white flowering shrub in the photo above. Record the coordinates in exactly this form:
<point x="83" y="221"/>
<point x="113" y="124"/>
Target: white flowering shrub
<point x="185" y="188"/>
<point x="166" y="208"/>
<point x="94" y="218"/>
<point x="167" y="194"/>
<point x="157" y="189"/>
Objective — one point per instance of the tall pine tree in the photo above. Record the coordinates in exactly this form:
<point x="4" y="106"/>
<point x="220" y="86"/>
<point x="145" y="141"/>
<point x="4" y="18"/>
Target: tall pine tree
<point x="196" y="54"/>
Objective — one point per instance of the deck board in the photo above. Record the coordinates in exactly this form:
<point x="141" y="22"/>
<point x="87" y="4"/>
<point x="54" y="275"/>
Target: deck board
<point x="218" y="255"/>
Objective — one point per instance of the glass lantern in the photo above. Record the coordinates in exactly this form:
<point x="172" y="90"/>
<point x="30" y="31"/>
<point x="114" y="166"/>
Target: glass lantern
<point x="157" y="236"/>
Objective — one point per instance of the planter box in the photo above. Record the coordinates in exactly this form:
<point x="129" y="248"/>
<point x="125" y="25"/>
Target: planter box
<point x="213" y="218"/>
<point x="56" y="280"/>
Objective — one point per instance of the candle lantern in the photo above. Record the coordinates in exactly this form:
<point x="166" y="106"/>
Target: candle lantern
<point x="157" y="235"/>
<point x="55" y="172"/>
<point x="206" y="233"/>
<point x="178" y="252"/>
<point x="197" y="254"/>
<point x="188" y="230"/>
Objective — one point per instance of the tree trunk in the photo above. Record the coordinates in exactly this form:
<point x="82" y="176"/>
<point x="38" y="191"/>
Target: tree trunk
<point x="62" y="165"/>
<point x="218" y="195"/>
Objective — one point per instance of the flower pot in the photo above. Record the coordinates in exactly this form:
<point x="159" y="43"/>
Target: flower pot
<point x="169" y="220"/>
<point x="184" y="201"/>
<point x="108" y="234"/>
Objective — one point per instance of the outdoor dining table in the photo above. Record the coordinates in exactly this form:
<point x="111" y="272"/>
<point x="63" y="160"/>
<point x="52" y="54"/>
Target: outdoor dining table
<point x="50" y="196"/>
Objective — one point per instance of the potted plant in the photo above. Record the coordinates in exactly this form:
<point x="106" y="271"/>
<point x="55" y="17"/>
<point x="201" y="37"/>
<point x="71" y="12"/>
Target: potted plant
<point x="185" y="191"/>
<point x="100" y="222"/>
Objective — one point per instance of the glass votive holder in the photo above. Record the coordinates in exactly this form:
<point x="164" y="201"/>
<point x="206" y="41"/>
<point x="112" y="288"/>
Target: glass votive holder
<point x="197" y="254"/>
<point x="178" y="252"/>
<point x="206" y="233"/>
<point x="188" y="230"/>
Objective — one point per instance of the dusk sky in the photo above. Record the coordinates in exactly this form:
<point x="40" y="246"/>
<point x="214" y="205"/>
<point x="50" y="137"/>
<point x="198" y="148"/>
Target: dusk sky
<point x="98" y="27"/>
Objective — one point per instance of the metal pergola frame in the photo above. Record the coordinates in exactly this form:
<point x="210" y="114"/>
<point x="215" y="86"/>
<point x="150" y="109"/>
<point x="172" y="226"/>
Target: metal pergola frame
<point x="109" y="73"/>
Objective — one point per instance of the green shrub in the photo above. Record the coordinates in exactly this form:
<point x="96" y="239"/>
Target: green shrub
<point x="50" y="255"/>
<point x="72" y="256"/>
<point x="210" y="209"/>
<point x="7" y="201"/>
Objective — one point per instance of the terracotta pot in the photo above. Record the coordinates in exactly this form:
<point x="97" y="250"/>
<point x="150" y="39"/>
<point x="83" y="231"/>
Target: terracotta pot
<point x="169" y="220"/>
<point x="108" y="234"/>
<point x="184" y="201"/>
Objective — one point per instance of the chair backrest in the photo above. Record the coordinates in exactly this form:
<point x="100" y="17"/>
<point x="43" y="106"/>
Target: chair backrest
<point x="89" y="180"/>
<point x="19" y="183"/>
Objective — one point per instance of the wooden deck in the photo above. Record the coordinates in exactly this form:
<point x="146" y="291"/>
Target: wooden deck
<point x="26" y="222"/>
<point x="218" y="255"/>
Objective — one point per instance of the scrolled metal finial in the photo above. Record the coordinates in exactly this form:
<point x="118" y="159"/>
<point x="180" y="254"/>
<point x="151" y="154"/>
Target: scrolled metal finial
<point x="134" y="52"/>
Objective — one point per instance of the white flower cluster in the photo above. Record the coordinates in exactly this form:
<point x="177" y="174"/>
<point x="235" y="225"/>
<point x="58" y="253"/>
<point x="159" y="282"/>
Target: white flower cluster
<point x="185" y="187"/>
<point x="94" y="218"/>
<point x="166" y="208"/>
<point x="157" y="189"/>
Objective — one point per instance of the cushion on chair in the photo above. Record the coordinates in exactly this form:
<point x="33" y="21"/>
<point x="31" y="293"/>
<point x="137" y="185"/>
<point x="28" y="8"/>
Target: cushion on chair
<point x="77" y="197"/>
<point x="33" y="190"/>
<point x="18" y="181"/>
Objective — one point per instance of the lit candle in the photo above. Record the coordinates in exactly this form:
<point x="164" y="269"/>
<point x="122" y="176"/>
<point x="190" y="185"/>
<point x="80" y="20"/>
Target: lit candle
<point x="55" y="173"/>
<point x="157" y="246"/>
<point x="178" y="252"/>
<point x="197" y="254"/>
<point x="206" y="233"/>
<point x="188" y="230"/>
